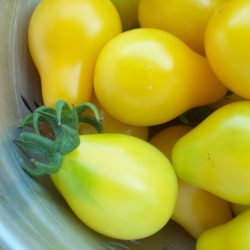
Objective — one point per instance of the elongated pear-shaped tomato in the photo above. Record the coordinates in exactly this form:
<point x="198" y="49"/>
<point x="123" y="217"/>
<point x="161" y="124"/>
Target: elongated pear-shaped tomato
<point x="117" y="184"/>
<point x="65" y="37"/>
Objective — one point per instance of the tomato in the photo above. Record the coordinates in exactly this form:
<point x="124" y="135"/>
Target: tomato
<point x="65" y="37"/>
<point x="231" y="235"/>
<point x="227" y="46"/>
<point x="215" y="154"/>
<point x="196" y="210"/>
<point x="112" y="125"/>
<point x="127" y="192"/>
<point x="128" y="11"/>
<point x="187" y="19"/>
<point x="119" y="185"/>
<point x="147" y="76"/>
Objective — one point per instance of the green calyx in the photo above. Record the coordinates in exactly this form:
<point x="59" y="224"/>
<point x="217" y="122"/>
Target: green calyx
<point x="49" y="133"/>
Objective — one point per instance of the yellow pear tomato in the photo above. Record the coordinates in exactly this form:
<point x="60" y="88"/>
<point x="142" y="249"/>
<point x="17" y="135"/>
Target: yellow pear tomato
<point x="147" y="76"/>
<point x="118" y="185"/>
<point x="65" y="37"/>
<point x="227" y="40"/>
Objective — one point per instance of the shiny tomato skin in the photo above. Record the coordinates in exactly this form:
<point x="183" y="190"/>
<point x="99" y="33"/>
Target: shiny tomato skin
<point x="148" y="76"/>
<point x="118" y="185"/>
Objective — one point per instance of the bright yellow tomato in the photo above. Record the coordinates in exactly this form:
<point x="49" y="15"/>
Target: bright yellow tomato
<point x="227" y="40"/>
<point x="186" y="19"/>
<point x="147" y="76"/>
<point x="65" y="37"/>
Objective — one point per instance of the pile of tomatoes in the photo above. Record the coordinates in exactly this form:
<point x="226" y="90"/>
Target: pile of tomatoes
<point x="145" y="64"/>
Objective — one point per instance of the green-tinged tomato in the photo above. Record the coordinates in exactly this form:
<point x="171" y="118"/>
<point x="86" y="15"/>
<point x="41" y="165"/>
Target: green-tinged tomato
<point x="227" y="40"/>
<point x="119" y="185"/>
<point x="215" y="154"/>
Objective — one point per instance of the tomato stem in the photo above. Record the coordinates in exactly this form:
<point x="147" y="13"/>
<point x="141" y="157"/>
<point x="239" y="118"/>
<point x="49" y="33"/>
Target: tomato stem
<point x="45" y="154"/>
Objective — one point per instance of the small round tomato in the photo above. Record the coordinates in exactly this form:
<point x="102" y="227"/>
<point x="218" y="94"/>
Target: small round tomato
<point x="187" y="19"/>
<point x="148" y="76"/>
<point x="227" y="40"/>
